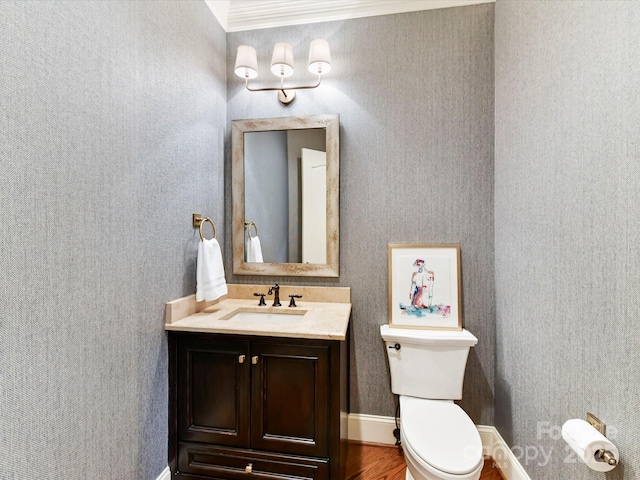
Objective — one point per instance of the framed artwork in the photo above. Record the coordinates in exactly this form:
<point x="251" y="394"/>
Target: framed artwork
<point x="425" y="287"/>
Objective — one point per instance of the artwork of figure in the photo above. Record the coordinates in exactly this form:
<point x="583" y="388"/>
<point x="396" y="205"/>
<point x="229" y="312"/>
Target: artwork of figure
<point x="424" y="286"/>
<point x="421" y="291"/>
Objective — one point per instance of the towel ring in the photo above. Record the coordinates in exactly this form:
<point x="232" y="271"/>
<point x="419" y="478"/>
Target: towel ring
<point x="207" y="219"/>
<point x="248" y="226"/>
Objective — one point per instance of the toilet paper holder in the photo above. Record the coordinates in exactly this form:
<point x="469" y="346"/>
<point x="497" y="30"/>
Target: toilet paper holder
<point x="601" y="455"/>
<point x="591" y="446"/>
<point x="606" y="456"/>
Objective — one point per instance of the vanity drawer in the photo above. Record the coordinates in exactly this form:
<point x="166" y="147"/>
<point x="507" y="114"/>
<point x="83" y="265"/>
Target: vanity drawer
<point x="232" y="464"/>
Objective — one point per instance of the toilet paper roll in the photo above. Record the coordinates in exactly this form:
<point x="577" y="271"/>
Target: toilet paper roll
<point x="586" y="441"/>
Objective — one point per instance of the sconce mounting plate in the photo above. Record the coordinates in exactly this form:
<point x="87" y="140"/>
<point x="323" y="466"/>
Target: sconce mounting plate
<point x="286" y="96"/>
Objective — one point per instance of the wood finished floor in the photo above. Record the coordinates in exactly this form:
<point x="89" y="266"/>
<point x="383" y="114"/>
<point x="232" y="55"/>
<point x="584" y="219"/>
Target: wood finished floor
<point x="382" y="462"/>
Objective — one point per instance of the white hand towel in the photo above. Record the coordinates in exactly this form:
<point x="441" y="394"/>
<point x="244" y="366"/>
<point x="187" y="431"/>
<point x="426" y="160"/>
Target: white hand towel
<point x="254" y="250"/>
<point x="210" y="281"/>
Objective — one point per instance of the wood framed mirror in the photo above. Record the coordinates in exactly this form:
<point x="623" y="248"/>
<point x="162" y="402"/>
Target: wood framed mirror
<point x="285" y="191"/>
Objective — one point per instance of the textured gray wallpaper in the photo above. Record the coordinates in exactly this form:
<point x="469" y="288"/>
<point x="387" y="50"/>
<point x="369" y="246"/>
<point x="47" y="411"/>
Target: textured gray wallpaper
<point x="415" y="97"/>
<point x="567" y="229"/>
<point x="112" y="118"/>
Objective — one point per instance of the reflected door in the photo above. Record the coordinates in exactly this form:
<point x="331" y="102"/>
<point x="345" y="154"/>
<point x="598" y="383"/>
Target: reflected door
<point x="314" y="206"/>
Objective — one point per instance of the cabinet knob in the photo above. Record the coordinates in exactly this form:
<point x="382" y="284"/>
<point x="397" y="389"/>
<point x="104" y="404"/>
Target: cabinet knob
<point x="254" y="360"/>
<point x="241" y="358"/>
<point x="249" y="468"/>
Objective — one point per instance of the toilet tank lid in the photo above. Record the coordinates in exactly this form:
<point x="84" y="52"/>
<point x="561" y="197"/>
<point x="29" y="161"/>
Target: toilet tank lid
<point x="462" y="338"/>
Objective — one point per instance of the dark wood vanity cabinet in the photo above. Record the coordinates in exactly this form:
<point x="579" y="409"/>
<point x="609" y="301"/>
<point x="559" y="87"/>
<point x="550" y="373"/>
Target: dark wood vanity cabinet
<point x="263" y="407"/>
<point x="213" y="393"/>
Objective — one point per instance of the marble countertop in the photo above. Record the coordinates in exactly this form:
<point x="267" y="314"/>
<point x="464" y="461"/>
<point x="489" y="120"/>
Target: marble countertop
<point x="310" y="319"/>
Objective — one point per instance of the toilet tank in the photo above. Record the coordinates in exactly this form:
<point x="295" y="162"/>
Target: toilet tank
<point x="430" y="363"/>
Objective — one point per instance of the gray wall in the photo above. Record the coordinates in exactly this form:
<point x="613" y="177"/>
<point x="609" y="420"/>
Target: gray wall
<point x="112" y="118"/>
<point x="265" y="177"/>
<point x="567" y="232"/>
<point x="415" y="98"/>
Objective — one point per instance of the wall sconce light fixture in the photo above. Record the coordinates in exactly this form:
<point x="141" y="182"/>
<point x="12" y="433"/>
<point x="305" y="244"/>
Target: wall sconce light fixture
<point x="282" y="66"/>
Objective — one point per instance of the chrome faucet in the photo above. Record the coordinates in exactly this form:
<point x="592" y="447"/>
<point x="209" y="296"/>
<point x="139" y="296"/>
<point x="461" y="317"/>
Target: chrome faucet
<point x="276" y="295"/>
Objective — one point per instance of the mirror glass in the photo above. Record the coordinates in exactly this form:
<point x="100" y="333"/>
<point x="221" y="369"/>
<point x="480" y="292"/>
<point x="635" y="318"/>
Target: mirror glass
<point x="285" y="196"/>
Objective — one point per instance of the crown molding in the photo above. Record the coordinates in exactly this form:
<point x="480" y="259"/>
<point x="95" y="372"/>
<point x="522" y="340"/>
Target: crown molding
<point x="220" y="9"/>
<point x="240" y="15"/>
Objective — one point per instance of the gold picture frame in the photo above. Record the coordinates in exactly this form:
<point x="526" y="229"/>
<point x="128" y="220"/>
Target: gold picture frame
<point x="425" y="287"/>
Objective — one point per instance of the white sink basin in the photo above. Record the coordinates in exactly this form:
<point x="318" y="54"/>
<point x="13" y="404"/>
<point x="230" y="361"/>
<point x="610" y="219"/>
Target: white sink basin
<point x="285" y="316"/>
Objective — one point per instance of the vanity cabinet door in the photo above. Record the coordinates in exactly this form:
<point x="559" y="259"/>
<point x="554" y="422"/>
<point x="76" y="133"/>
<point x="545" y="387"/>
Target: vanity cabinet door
<point x="213" y="386"/>
<point x="290" y="398"/>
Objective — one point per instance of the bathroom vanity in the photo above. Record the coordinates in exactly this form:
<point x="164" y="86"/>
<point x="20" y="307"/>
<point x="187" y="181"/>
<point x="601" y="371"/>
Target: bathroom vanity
<point x="259" y="391"/>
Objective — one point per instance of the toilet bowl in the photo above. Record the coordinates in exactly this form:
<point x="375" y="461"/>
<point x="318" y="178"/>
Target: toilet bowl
<point x="439" y="440"/>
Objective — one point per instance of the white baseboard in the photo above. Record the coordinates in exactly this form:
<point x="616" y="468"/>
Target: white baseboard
<point x="165" y="475"/>
<point x="503" y="457"/>
<point x="375" y="429"/>
<point x="371" y="428"/>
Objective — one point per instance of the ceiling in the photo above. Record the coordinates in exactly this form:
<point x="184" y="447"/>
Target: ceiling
<point x="239" y="15"/>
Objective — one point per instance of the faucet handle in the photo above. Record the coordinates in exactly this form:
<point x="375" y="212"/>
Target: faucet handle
<point x="292" y="302"/>
<point x="261" y="303"/>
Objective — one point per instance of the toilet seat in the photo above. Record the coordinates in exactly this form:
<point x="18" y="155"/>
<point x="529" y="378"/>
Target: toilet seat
<point x="441" y="437"/>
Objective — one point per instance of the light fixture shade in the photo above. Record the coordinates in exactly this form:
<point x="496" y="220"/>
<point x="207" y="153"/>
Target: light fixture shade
<point x="319" y="57"/>
<point x="282" y="60"/>
<point x="246" y="62"/>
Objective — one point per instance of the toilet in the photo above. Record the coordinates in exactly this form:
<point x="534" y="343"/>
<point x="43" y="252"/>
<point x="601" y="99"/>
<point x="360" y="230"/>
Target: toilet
<point x="439" y="440"/>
